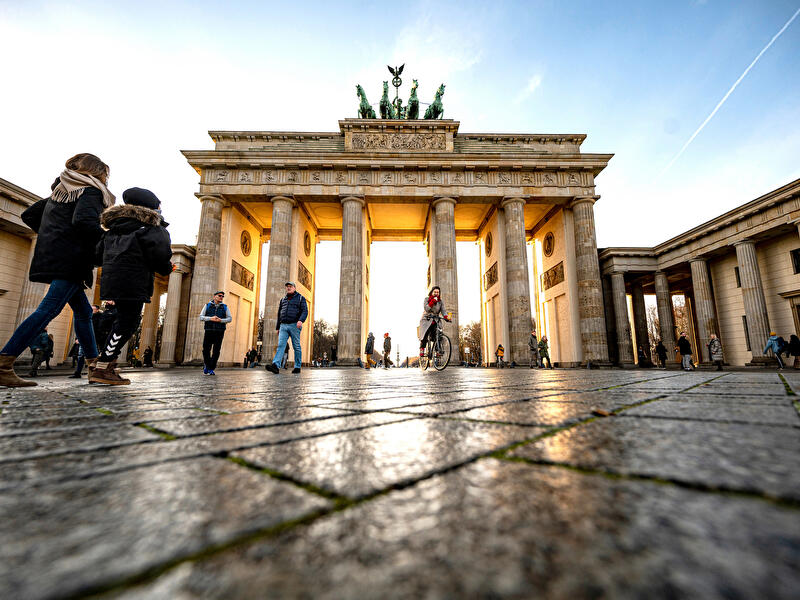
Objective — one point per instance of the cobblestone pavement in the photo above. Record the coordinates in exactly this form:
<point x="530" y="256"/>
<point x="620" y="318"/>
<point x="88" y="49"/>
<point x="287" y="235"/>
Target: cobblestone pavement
<point x="345" y="483"/>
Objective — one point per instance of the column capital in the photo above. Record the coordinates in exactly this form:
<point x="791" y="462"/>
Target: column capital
<point x="581" y="199"/>
<point x="513" y="200"/>
<point x="352" y="198"/>
<point x="440" y="199"/>
<point x="698" y="259"/>
<point x="210" y="197"/>
<point x="288" y="199"/>
<point x="744" y="241"/>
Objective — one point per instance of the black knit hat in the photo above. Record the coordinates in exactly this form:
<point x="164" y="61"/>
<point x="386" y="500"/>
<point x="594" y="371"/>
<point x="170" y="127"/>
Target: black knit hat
<point x="141" y="197"/>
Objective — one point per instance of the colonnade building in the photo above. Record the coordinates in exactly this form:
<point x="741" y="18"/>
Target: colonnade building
<point x="526" y="200"/>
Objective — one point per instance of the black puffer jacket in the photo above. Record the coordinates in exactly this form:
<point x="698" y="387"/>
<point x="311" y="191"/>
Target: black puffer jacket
<point x="68" y="233"/>
<point x="135" y="247"/>
<point x="292" y="309"/>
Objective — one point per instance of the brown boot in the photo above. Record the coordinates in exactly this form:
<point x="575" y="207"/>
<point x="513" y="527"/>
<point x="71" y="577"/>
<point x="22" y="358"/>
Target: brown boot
<point x="105" y="373"/>
<point x="7" y="376"/>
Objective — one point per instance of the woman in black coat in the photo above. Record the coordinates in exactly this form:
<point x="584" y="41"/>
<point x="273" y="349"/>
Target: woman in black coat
<point x="68" y="228"/>
<point x="135" y="246"/>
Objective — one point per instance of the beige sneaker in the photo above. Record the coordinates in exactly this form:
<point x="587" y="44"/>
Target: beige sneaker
<point x="106" y="374"/>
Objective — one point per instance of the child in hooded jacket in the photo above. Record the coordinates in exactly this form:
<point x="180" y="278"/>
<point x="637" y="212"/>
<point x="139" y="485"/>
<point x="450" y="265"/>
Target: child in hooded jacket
<point x="134" y="247"/>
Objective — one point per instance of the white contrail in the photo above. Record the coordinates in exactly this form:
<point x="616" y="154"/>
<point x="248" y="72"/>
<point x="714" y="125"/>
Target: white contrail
<point x="730" y="91"/>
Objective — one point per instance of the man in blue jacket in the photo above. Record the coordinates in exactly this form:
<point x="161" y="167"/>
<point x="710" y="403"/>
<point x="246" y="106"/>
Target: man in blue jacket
<point x="292" y="313"/>
<point x="215" y="316"/>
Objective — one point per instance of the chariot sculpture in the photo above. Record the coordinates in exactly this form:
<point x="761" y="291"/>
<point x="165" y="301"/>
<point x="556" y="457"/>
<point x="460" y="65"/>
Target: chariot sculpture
<point x="394" y="109"/>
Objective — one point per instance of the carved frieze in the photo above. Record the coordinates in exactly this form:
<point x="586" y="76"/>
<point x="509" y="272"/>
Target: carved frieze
<point x="242" y="275"/>
<point x="490" y="277"/>
<point x="553" y="276"/>
<point x="399" y="141"/>
<point x="303" y="276"/>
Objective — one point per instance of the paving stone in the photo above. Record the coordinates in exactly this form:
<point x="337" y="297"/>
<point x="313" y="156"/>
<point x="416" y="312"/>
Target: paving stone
<point x="20" y="447"/>
<point x="43" y="469"/>
<point x="757" y="414"/>
<point x="71" y="537"/>
<point x="746" y="457"/>
<point x="359" y="463"/>
<point x="246" y="420"/>
<point x="501" y="530"/>
<point x="537" y="412"/>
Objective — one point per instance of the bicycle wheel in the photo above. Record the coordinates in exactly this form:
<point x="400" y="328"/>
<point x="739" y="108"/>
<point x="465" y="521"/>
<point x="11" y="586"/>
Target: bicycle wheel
<point x="425" y="360"/>
<point x="441" y="356"/>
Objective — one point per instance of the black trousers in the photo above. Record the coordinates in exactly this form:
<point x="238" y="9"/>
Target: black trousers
<point x="429" y="333"/>
<point x="129" y="314"/>
<point x="212" y="343"/>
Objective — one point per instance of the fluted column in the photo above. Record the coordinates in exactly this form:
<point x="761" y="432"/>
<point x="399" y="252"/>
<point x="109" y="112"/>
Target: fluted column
<point x="350" y="288"/>
<point x="30" y="296"/>
<point x="278" y="269"/>
<point x="666" y="319"/>
<point x="624" y="344"/>
<point x="206" y="273"/>
<point x="518" y="296"/>
<point x="755" y="304"/>
<point x="444" y="256"/>
<point x="150" y="321"/>
<point x="640" y="322"/>
<point x="171" y="315"/>
<point x="703" y="306"/>
<point x="590" y="289"/>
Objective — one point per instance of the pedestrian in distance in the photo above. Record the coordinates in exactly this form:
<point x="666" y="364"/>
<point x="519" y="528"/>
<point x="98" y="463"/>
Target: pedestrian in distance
<point x="498" y="354"/>
<point x="641" y="356"/>
<point x="685" y="349"/>
<point x="73" y="352"/>
<point x="292" y="313"/>
<point x="715" y="351"/>
<point x="215" y="316"/>
<point x="147" y="357"/>
<point x="533" y="346"/>
<point x="774" y="345"/>
<point x="387" y="350"/>
<point x="134" y="248"/>
<point x="661" y="353"/>
<point x="49" y="354"/>
<point x="369" y="348"/>
<point x="38" y="348"/>
<point x="544" y="352"/>
<point x="68" y="229"/>
<point x="432" y="306"/>
<point x="794" y="350"/>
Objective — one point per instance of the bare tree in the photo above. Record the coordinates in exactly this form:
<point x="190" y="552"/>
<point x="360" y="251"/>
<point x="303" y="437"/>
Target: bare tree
<point x="469" y="336"/>
<point x="653" y="327"/>
<point x="681" y="314"/>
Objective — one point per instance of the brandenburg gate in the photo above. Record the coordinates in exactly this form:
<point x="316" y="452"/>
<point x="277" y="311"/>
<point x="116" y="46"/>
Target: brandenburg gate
<point x="402" y="179"/>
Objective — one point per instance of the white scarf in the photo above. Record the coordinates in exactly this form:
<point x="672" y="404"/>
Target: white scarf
<point x="73" y="183"/>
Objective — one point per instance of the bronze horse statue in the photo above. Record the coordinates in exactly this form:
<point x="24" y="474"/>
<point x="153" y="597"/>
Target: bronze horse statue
<point x="365" y="111"/>
<point x="412" y="110"/>
<point x="386" y="108"/>
<point x="436" y="110"/>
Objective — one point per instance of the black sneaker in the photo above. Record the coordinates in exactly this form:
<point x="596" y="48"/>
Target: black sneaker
<point x="272" y="367"/>
<point x="296" y="370"/>
<point x="74" y="376"/>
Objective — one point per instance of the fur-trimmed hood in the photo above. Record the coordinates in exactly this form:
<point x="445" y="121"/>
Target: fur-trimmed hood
<point x="147" y="216"/>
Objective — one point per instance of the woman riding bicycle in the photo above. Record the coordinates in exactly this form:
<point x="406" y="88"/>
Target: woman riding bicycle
<point x="432" y="307"/>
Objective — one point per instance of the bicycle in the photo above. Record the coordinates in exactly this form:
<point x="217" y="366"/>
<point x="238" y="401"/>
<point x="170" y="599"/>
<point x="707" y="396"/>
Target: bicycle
<point x="438" y="348"/>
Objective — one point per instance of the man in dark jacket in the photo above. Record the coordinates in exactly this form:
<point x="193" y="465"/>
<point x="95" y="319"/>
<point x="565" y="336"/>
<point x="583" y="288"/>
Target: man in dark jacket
<point x="292" y="313"/>
<point x="369" y="348"/>
<point x="685" y="349"/>
<point x="215" y="316"/>
<point x="68" y="227"/>
<point x="387" y="350"/>
<point x="135" y="247"/>
<point x="39" y="348"/>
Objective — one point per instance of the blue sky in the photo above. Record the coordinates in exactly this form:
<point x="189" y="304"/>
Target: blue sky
<point x="137" y="82"/>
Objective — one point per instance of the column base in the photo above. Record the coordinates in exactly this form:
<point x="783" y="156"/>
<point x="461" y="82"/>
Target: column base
<point x="763" y="362"/>
<point x="596" y="364"/>
<point x="626" y="365"/>
<point x="164" y="365"/>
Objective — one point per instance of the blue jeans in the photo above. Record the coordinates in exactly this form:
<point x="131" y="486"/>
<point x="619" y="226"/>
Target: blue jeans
<point x="60" y="293"/>
<point x="286" y="330"/>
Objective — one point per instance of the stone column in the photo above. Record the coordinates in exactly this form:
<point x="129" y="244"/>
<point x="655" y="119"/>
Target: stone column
<point x="150" y="322"/>
<point x="518" y="296"/>
<point x="755" y="304"/>
<point x="30" y="297"/>
<point x="640" y="322"/>
<point x="444" y="255"/>
<point x="703" y="306"/>
<point x="590" y="289"/>
<point x="350" y="289"/>
<point x="623" y="325"/>
<point x="206" y="273"/>
<point x="171" y="315"/>
<point x="611" y="323"/>
<point x="278" y="269"/>
<point x="666" y="319"/>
